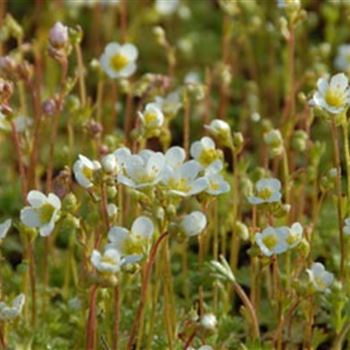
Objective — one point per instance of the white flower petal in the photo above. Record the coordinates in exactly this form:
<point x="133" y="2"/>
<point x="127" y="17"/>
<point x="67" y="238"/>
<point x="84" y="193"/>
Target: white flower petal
<point x="143" y="226"/>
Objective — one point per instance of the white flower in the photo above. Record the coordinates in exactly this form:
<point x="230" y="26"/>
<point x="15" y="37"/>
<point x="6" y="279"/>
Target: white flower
<point x="4" y="228"/>
<point x="208" y="321"/>
<point x="293" y="235"/>
<point x="84" y="170"/>
<point x="272" y="240"/>
<point x="42" y="212"/>
<point x="332" y="95"/>
<point x="220" y="129"/>
<point x="152" y="117"/>
<point x="216" y="183"/>
<point x="170" y="104"/>
<point x="109" y="164"/>
<point x="118" y="61"/>
<point x="143" y="170"/>
<point x="319" y="277"/>
<point x="109" y="262"/>
<point x="175" y="157"/>
<point x="346" y="227"/>
<point x="8" y="313"/>
<point x="267" y="191"/>
<point x="58" y="35"/>
<point x="183" y="180"/>
<point x="166" y="7"/>
<point x="342" y="60"/>
<point x="193" y="224"/>
<point x="133" y="242"/>
<point x="204" y="151"/>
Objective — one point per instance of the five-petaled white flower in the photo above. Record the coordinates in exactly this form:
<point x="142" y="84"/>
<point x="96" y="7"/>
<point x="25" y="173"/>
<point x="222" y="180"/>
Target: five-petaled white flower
<point x="7" y="312"/>
<point x="272" y="241"/>
<point x="152" y="117"/>
<point x="193" y="224"/>
<point x="293" y="235"/>
<point x="118" y="61"/>
<point x="204" y="151"/>
<point x="320" y="279"/>
<point x="109" y="262"/>
<point x="143" y="170"/>
<point x="183" y="180"/>
<point x="4" y="228"/>
<point x="133" y="243"/>
<point x="42" y="213"/>
<point x="267" y="191"/>
<point x="84" y="170"/>
<point x="332" y="95"/>
<point x="342" y="60"/>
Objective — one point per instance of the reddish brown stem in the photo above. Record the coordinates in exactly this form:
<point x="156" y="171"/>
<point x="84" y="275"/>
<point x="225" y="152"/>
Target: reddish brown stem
<point x="91" y="323"/>
<point x="144" y="288"/>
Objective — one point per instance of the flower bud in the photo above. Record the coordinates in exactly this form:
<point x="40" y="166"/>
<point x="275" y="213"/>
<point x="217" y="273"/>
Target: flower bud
<point x="49" y="107"/>
<point x="109" y="164"/>
<point x="58" y="35"/>
<point x="70" y="203"/>
<point x="242" y="230"/>
<point x="208" y="322"/>
<point x="112" y="210"/>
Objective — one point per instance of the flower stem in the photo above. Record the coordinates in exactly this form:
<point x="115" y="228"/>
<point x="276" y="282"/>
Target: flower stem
<point x="91" y="323"/>
<point x="144" y="288"/>
<point x="336" y="156"/>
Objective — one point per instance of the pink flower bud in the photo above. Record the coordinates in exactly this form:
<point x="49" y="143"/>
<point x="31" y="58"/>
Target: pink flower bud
<point x="58" y="36"/>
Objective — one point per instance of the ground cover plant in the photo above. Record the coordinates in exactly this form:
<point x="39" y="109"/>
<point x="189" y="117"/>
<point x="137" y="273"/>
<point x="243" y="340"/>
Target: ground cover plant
<point x="175" y="174"/>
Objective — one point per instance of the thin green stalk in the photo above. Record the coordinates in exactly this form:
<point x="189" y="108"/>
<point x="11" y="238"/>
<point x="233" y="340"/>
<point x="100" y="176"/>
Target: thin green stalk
<point x="336" y="155"/>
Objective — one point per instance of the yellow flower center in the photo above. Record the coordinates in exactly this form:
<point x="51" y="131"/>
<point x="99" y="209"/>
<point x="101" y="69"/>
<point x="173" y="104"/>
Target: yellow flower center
<point x="45" y="213"/>
<point x="150" y="117"/>
<point x="134" y="244"/>
<point x="108" y="260"/>
<point x="270" y="241"/>
<point x="119" y="61"/>
<point x="208" y="156"/>
<point x="214" y="186"/>
<point x="320" y="283"/>
<point x="87" y="172"/>
<point x="334" y="97"/>
<point x="265" y="193"/>
<point x="179" y="185"/>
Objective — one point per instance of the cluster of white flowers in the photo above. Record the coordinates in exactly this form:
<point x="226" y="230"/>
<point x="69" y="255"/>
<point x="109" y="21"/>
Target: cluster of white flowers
<point x="333" y="95"/>
<point x="274" y="241"/>
<point x="170" y="171"/>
